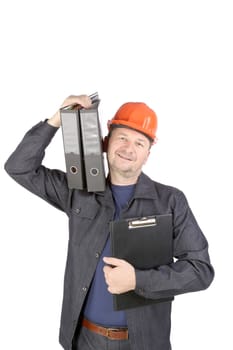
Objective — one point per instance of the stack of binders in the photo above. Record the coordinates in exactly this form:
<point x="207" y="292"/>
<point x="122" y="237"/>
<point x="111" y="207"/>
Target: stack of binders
<point x="82" y="141"/>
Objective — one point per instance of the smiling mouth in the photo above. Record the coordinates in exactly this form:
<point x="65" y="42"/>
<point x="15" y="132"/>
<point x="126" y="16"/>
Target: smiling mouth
<point x="124" y="157"/>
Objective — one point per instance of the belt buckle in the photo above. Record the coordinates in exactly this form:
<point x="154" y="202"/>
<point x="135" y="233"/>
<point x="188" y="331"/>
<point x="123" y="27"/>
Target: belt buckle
<point x="109" y="330"/>
<point x="116" y="330"/>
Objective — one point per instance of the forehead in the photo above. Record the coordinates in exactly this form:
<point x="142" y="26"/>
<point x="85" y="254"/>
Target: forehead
<point x="129" y="133"/>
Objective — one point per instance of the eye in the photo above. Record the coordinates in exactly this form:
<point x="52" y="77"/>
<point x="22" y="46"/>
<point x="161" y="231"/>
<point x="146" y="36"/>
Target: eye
<point x="139" y="144"/>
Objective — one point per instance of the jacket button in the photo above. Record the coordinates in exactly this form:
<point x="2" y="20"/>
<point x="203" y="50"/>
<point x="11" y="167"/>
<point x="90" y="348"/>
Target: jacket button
<point x="97" y="255"/>
<point x="84" y="289"/>
<point x="77" y="210"/>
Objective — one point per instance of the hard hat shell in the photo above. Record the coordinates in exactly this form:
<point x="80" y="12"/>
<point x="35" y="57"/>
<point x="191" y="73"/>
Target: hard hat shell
<point x="138" y="116"/>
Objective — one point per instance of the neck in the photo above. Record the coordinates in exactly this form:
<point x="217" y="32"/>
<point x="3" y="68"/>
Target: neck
<point x="118" y="179"/>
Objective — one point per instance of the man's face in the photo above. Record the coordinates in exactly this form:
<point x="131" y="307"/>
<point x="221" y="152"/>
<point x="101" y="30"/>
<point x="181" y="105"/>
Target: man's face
<point x="127" y="152"/>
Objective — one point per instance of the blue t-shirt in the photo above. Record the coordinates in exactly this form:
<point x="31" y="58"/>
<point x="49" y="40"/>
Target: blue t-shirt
<point x="99" y="304"/>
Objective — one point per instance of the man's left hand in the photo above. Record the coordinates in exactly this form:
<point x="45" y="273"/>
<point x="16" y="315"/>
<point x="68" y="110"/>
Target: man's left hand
<point x="119" y="275"/>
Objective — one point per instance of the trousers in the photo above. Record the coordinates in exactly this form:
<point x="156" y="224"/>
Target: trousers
<point x="88" y="340"/>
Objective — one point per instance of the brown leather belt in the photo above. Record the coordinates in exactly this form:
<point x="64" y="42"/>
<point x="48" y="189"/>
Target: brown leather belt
<point x="111" y="333"/>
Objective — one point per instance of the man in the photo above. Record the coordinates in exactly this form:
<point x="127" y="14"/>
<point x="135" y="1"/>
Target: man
<point x="88" y="320"/>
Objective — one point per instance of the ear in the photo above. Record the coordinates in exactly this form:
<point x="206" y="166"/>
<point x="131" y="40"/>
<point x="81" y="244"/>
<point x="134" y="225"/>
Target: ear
<point x="105" y="144"/>
<point x="109" y="122"/>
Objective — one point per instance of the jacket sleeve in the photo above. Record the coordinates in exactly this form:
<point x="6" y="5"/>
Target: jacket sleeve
<point x="25" y="167"/>
<point x="191" y="270"/>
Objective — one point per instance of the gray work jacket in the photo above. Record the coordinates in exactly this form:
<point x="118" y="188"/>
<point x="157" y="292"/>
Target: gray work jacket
<point x="89" y="216"/>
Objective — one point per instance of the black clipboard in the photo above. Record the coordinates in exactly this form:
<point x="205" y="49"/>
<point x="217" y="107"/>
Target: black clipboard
<point x="146" y="243"/>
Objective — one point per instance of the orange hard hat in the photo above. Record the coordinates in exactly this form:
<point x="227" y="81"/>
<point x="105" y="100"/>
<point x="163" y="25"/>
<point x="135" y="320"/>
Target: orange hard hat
<point x="137" y="116"/>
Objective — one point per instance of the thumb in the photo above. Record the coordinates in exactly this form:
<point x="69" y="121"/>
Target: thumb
<point x="113" y="261"/>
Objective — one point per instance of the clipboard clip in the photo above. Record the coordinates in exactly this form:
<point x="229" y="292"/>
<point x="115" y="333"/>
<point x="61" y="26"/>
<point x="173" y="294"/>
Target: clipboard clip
<point x="142" y="222"/>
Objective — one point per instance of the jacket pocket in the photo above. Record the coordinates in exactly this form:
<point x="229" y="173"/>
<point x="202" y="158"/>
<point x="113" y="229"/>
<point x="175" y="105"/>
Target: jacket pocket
<point x="81" y="223"/>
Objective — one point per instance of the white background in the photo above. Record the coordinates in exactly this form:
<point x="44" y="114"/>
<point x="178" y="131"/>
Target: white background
<point x="174" y="55"/>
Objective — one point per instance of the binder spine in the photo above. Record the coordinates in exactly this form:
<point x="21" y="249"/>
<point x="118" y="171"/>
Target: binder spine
<point x="73" y="148"/>
<point x="92" y="149"/>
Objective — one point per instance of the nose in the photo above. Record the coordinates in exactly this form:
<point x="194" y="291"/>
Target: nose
<point x="129" y="146"/>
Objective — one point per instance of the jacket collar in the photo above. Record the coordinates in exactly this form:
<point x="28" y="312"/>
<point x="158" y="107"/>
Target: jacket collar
<point x="145" y="188"/>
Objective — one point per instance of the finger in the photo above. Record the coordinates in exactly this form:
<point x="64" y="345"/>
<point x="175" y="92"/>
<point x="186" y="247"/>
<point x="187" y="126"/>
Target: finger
<point x="82" y="100"/>
<point x="113" y="261"/>
<point x="113" y="290"/>
<point x="86" y="102"/>
<point x="107" y="269"/>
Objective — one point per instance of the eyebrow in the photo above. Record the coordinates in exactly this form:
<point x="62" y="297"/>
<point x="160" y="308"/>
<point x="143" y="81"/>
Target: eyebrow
<point x="125" y="134"/>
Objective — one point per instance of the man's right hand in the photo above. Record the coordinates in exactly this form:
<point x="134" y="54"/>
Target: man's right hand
<point x="83" y="100"/>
